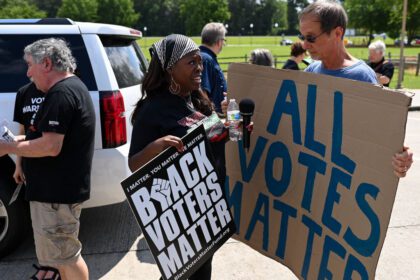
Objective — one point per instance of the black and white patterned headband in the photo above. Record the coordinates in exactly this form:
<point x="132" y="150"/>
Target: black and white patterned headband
<point x="172" y="48"/>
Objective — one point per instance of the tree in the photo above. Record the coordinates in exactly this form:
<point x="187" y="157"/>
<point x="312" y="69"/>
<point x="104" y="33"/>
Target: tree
<point x="80" y="10"/>
<point x="242" y="15"/>
<point x="280" y="17"/>
<point x="264" y="14"/>
<point x="413" y="19"/>
<point x="292" y="14"/>
<point x="196" y="16"/>
<point x="50" y="6"/>
<point x="117" y="12"/>
<point x="372" y="16"/>
<point x="20" y="9"/>
<point x="161" y="17"/>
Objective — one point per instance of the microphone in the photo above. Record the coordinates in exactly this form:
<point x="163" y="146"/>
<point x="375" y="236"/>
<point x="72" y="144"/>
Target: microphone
<point x="246" y="108"/>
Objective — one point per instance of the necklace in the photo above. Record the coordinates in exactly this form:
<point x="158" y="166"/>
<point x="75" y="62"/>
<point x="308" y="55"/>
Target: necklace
<point x="188" y="101"/>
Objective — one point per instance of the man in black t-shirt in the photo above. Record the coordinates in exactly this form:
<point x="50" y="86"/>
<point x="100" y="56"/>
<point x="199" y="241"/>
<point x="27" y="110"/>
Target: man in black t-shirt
<point x="27" y="103"/>
<point x="384" y="69"/>
<point x="57" y="157"/>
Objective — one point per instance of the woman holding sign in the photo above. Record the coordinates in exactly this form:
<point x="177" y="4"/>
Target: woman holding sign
<point x="172" y="103"/>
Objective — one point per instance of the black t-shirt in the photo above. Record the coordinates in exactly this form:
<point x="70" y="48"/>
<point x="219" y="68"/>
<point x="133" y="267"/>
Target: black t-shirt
<point x="384" y="68"/>
<point x="291" y="64"/>
<point x="28" y="100"/>
<point x="168" y="114"/>
<point x="68" y="110"/>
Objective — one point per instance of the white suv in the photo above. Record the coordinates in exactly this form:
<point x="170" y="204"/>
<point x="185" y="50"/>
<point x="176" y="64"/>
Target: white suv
<point x="111" y="64"/>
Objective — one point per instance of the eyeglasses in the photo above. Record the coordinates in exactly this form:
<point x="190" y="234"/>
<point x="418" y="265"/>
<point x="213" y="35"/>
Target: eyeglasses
<point x="224" y="41"/>
<point x="309" y="38"/>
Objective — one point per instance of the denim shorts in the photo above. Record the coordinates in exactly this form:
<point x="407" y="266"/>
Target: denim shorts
<point x="56" y="230"/>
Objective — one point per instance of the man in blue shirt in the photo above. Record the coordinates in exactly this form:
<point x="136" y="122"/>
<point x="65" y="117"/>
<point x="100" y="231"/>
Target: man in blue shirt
<point x="322" y="25"/>
<point x="213" y="81"/>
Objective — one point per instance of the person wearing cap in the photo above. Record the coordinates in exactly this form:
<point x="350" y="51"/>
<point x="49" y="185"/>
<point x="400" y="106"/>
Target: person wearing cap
<point x="384" y="69"/>
<point x="322" y="26"/>
<point x="172" y="103"/>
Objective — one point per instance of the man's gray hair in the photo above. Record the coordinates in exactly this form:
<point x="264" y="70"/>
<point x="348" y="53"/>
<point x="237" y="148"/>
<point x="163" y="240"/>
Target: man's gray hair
<point x="213" y="32"/>
<point x="378" y="46"/>
<point x="56" y="50"/>
<point x="330" y="14"/>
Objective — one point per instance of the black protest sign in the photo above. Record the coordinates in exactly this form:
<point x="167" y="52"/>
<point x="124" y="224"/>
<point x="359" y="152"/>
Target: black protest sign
<point x="179" y="204"/>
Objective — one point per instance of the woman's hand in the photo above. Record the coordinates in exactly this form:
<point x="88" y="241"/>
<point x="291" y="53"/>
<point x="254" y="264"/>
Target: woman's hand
<point x="402" y="162"/>
<point x="167" y="141"/>
<point x="153" y="149"/>
<point x="224" y="104"/>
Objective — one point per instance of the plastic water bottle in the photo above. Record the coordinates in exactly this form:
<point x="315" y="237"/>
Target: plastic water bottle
<point x="234" y="118"/>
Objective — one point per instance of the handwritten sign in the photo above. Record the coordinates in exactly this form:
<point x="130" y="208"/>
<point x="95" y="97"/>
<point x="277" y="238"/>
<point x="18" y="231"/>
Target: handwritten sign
<point x="316" y="189"/>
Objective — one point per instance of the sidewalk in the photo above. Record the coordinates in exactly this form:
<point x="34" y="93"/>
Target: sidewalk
<point x="415" y="104"/>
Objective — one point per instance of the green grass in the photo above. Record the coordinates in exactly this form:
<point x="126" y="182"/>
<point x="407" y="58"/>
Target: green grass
<point x="410" y="80"/>
<point x="241" y="46"/>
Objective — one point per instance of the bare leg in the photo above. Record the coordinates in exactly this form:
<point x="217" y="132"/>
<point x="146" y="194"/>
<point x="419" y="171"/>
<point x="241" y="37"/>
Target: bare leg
<point x="77" y="270"/>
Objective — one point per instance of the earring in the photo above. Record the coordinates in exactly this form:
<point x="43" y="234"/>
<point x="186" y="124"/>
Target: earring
<point x="174" y="87"/>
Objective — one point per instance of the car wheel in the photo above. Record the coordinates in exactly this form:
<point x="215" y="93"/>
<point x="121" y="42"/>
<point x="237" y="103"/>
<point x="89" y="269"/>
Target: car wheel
<point x="14" y="218"/>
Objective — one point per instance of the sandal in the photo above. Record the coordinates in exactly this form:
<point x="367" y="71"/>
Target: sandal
<point x="34" y="277"/>
<point x="55" y="273"/>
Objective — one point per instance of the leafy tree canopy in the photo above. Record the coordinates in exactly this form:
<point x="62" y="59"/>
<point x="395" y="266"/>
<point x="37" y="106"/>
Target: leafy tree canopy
<point x="20" y="9"/>
<point x="196" y="16"/>
<point x="80" y="10"/>
<point x="117" y="12"/>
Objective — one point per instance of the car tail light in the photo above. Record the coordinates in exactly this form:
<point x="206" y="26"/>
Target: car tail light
<point x="113" y="123"/>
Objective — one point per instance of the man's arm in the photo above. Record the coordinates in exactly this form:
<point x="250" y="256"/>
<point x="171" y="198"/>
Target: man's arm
<point x="49" y="144"/>
<point x="382" y="79"/>
<point x="387" y="73"/>
<point x="18" y="174"/>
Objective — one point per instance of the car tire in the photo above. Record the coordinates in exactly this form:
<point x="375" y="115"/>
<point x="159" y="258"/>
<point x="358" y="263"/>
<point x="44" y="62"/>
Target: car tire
<point x="14" y="218"/>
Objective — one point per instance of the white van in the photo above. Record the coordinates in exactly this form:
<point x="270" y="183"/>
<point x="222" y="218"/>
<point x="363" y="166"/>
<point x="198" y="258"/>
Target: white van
<point x="112" y="65"/>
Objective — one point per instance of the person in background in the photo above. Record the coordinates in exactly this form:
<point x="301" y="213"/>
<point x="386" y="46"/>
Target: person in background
<point x="172" y="103"/>
<point x="297" y="54"/>
<point x="262" y="57"/>
<point x="27" y="103"/>
<point x="322" y="26"/>
<point x="213" y="82"/>
<point x="60" y="138"/>
<point x="384" y="69"/>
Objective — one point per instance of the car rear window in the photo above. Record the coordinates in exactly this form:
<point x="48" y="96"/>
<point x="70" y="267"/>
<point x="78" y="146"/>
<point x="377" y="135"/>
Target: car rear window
<point x="13" y="67"/>
<point x="126" y="58"/>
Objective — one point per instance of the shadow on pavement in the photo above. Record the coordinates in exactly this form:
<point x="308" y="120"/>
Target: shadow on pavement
<point x="110" y="232"/>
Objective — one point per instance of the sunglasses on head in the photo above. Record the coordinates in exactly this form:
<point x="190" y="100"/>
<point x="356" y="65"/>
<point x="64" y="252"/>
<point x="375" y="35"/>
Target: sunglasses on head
<point x="309" y="38"/>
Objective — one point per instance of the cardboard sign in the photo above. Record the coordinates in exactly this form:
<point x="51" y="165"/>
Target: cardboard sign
<point x="179" y="204"/>
<point x="316" y="189"/>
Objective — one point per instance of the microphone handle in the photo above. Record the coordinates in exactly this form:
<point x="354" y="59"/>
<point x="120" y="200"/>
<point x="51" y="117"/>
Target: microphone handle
<point x="246" y="120"/>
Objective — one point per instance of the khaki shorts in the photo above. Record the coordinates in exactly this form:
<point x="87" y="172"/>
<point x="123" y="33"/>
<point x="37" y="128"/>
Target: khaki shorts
<point x="56" y="230"/>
